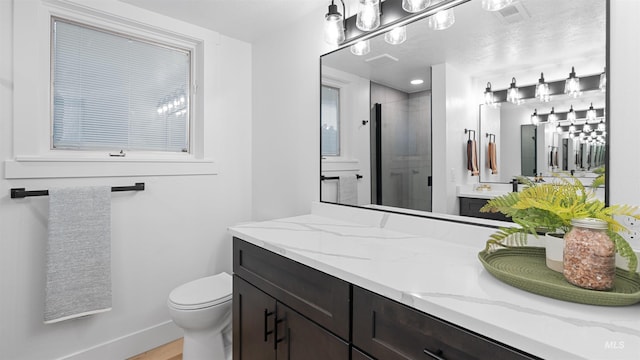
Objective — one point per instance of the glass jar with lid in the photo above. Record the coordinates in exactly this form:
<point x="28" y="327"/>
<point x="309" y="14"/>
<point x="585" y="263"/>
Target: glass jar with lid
<point x="589" y="255"/>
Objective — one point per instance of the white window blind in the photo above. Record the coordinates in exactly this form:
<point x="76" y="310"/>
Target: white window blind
<point x="330" y="113"/>
<point x="114" y="92"/>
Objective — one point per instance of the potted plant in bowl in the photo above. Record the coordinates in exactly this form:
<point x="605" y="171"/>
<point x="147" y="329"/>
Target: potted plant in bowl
<point x="551" y="207"/>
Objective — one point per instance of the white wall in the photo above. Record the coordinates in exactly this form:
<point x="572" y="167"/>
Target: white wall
<point x="172" y="232"/>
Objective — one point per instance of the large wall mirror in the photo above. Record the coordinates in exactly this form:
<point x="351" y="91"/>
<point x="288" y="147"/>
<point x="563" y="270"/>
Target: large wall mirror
<point x="406" y="126"/>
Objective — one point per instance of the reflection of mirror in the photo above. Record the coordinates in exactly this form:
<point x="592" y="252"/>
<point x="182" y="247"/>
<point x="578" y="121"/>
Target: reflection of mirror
<point x="407" y="142"/>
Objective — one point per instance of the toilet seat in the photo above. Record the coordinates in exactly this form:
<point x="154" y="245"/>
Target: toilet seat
<point x="202" y="293"/>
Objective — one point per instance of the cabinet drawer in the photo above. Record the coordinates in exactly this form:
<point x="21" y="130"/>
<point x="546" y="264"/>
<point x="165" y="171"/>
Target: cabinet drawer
<point x="320" y="297"/>
<point x="390" y="330"/>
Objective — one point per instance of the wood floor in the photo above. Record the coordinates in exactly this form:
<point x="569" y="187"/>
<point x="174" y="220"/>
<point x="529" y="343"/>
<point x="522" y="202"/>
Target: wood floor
<point x="170" y="351"/>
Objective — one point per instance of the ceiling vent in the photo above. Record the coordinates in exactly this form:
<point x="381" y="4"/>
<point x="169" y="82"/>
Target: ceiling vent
<point x="513" y="13"/>
<point x="382" y="59"/>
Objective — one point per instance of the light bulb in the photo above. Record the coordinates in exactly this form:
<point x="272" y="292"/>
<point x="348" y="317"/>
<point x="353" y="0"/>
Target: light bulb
<point x="534" y="117"/>
<point x="571" y="115"/>
<point x="414" y="6"/>
<point x="591" y="113"/>
<point x="601" y="126"/>
<point x="495" y="5"/>
<point x="559" y="129"/>
<point x="160" y="110"/>
<point x="368" y="17"/>
<point x="586" y="127"/>
<point x="572" y="128"/>
<point x="552" y="116"/>
<point x="396" y="36"/>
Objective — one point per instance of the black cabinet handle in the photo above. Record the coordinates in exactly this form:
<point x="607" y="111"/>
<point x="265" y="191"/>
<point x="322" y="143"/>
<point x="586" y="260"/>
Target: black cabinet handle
<point x="277" y="340"/>
<point x="433" y="355"/>
<point x="267" y="313"/>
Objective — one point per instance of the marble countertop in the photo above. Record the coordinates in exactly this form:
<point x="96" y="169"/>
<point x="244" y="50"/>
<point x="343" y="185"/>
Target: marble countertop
<point x="432" y="265"/>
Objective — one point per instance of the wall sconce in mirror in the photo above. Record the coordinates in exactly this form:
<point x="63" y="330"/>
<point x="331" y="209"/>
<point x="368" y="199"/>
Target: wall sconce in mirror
<point x="414" y="6"/>
<point x="542" y="89"/>
<point x="396" y="36"/>
<point x="495" y="5"/>
<point x="360" y="48"/>
<point x="513" y="94"/>
<point x="334" y="24"/>
<point x="368" y="16"/>
<point x="535" y="119"/>
<point x="572" y="84"/>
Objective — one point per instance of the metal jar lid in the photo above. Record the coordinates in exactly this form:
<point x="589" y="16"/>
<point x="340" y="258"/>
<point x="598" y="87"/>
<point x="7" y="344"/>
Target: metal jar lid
<point x="590" y="223"/>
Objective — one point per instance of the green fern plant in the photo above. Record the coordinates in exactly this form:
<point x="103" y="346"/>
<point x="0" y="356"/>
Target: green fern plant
<point x="550" y="207"/>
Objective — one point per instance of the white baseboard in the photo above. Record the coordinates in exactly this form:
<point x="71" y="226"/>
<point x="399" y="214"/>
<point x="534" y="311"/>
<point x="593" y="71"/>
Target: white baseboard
<point x="130" y="344"/>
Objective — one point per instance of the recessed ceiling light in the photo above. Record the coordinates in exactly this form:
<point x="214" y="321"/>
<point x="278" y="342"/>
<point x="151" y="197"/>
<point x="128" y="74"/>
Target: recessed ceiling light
<point x="417" y="82"/>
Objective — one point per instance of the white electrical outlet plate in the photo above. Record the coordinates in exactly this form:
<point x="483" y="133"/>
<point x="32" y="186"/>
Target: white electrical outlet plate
<point x="633" y="236"/>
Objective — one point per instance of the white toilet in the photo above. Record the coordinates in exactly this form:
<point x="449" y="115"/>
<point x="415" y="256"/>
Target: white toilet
<point x="202" y="308"/>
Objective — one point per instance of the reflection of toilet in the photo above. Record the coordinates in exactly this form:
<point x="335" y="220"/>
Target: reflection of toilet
<point x="202" y="308"/>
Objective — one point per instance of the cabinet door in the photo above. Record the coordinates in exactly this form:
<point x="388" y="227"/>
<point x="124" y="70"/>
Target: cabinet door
<point x="300" y="338"/>
<point x="253" y="322"/>
<point x="390" y="330"/>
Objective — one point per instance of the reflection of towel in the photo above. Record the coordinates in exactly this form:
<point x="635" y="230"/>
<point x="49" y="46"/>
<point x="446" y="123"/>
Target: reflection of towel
<point x="348" y="190"/>
<point x="492" y="157"/>
<point x="78" y="280"/>
<point x="472" y="157"/>
<point x="555" y="158"/>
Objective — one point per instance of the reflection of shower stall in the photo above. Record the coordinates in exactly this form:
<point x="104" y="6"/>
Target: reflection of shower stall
<point x="401" y="148"/>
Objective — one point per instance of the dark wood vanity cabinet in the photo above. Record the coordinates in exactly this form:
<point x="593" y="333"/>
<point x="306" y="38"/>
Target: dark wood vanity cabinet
<point x="471" y="207"/>
<point x="286" y="310"/>
<point x="390" y="330"/>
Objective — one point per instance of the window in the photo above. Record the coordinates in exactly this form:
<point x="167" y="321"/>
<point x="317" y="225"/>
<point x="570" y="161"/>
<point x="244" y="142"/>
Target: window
<point x="116" y="92"/>
<point x="330" y="112"/>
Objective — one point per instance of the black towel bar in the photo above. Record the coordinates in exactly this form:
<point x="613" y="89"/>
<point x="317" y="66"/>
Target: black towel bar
<point x="322" y="177"/>
<point x="18" y="193"/>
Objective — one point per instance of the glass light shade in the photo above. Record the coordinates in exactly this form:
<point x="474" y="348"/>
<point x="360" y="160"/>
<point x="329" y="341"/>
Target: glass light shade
<point x="495" y="5"/>
<point x="552" y="116"/>
<point x="572" y="84"/>
<point x="334" y="28"/>
<point x="488" y="96"/>
<point x="559" y="129"/>
<point x="571" y="115"/>
<point x="442" y="20"/>
<point x="360" y="48"/>
<point x="602" y="126"/>
<point x="572" y="128"/>
<point x="594" y="135"/>
<point x="586" y="128"/>
<point x="542" y="90"/>
<point x="396" y="36"/>
<point x="572" y="136"/>
<point x="534" y="117"/>
<point x="513" y="94"/>
<point x="414" y="6"/>
<point x="603" y="82"/>
<point x="368" y="16"/>
<point x="582" y="134"/>
<point x="591" y="113"/>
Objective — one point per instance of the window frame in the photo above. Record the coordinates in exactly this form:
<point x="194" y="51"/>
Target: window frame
<point x="33" y="156"/>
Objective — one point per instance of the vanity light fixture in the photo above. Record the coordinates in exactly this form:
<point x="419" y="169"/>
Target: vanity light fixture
<point x="513" y="94"/>
<point x="488" y="96"/>
<point x="442" y="19"/>
<point x="572" y="84"/>
<point x="414" y="6"/>
<point x="552" y="116"/>
<point x="602" y="84"/>
<point x="368" y="16"/>
<point x="542" y="90"/>
<point x="495" y="5"/>
<point x="334" y="24"/>
<point x="535" y="119"/>
<point x="360" y="48"/>
<point x="396" y="36"/>
<point x="417" y="81"/>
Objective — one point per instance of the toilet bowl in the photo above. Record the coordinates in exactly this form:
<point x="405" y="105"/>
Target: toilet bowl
<point x="202" y="308"/>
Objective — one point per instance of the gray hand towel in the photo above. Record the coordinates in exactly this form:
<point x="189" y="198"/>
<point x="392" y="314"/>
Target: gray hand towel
<point x="78" y="253"/>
